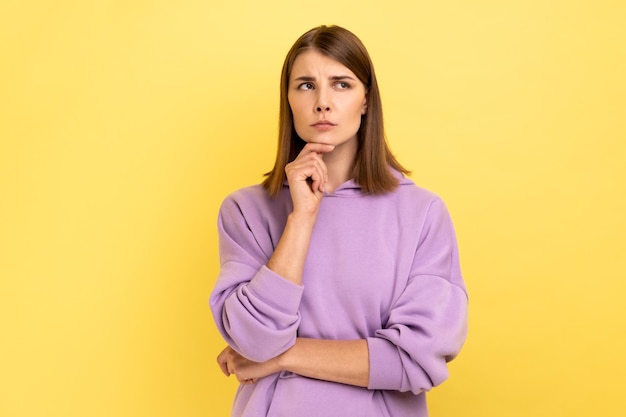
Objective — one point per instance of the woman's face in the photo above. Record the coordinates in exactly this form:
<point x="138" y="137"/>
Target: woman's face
<point x="326" y="98"/>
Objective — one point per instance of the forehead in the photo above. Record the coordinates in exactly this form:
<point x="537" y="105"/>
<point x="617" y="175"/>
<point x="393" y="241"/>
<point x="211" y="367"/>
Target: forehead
<point x="314" y="63"/>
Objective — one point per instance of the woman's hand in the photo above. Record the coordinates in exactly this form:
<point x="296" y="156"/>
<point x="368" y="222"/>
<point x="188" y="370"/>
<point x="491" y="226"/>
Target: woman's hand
<point x="307" y="176"/>
<point x="246" y="371"/>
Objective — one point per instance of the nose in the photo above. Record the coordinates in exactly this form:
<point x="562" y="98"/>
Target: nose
<point x="322" y="104"/>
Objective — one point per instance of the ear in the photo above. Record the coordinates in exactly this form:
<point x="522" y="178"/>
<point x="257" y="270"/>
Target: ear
<point x="364" y="106"/>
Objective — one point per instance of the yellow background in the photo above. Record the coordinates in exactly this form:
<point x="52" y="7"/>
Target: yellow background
<point x="124" y="123"/>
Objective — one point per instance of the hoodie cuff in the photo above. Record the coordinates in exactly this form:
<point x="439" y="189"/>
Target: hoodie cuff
<point x="385" y="365"/>
<point x="276" y="291"/>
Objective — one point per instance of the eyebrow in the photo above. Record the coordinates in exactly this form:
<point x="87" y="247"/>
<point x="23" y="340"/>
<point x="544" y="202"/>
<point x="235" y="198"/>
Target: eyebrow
<point x="332" y="78"/>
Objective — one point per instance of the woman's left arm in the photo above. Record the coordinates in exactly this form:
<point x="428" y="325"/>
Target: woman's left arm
<point x="342" y="361"/>
<point x="427" y="323"/>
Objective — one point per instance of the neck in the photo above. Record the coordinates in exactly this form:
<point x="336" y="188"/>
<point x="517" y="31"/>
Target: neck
<point x="340" y="164"/>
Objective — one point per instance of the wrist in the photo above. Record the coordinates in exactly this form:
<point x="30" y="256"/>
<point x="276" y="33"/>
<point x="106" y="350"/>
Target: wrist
<point x="284" y="360"/>
<point x="302" y="219"/>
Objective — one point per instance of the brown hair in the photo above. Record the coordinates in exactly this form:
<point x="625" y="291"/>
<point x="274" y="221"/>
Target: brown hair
<point x="373" y="158"/>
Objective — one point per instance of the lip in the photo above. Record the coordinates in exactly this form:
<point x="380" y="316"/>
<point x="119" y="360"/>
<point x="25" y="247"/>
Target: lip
<point x="323" y="125"/>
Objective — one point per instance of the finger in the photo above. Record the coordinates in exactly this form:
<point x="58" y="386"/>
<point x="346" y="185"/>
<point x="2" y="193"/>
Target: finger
<point x="317" y="148"/>
<point x="224" y="367"/>
<point x="310" y="166"/>
<point x="249" y="381"/>
<point x="222" y="361"/>
<point x="314" y="161"/>
<point x="319" y="178"/>
<point x="322" y="175"/>
<point x="314" y="175"/>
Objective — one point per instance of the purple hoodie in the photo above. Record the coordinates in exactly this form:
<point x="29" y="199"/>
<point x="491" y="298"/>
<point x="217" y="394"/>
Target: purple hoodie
<point x="380" y="267"/>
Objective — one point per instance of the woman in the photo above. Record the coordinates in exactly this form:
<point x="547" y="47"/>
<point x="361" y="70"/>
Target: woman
<point x="340" y="292"/>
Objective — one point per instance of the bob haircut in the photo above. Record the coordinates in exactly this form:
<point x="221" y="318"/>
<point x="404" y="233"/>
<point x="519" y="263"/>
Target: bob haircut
<point x="373" y="158"/>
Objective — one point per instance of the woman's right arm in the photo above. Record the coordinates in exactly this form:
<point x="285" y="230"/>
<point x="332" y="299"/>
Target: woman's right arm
<point x="257" y="296"/>
<point x="307" y="177"/>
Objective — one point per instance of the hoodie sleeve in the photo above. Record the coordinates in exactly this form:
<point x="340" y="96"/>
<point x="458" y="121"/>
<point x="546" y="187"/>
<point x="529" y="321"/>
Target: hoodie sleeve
<point x="427" y="324"/>
<point x="255" y="310"/>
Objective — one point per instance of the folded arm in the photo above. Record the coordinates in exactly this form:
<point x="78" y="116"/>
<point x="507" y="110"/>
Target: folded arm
<point x="342" y="361"/>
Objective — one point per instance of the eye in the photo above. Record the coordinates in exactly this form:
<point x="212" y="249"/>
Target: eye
<point x="342" y="85"/>
<point x="305" y="86"/>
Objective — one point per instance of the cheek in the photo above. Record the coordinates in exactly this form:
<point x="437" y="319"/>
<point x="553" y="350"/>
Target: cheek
<point x="354" y="103"/>
<point x="295" y="108"/>
<point x="357" y="109"/>
<point x="300" y="118"/>
<point x="297" y="117"/>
